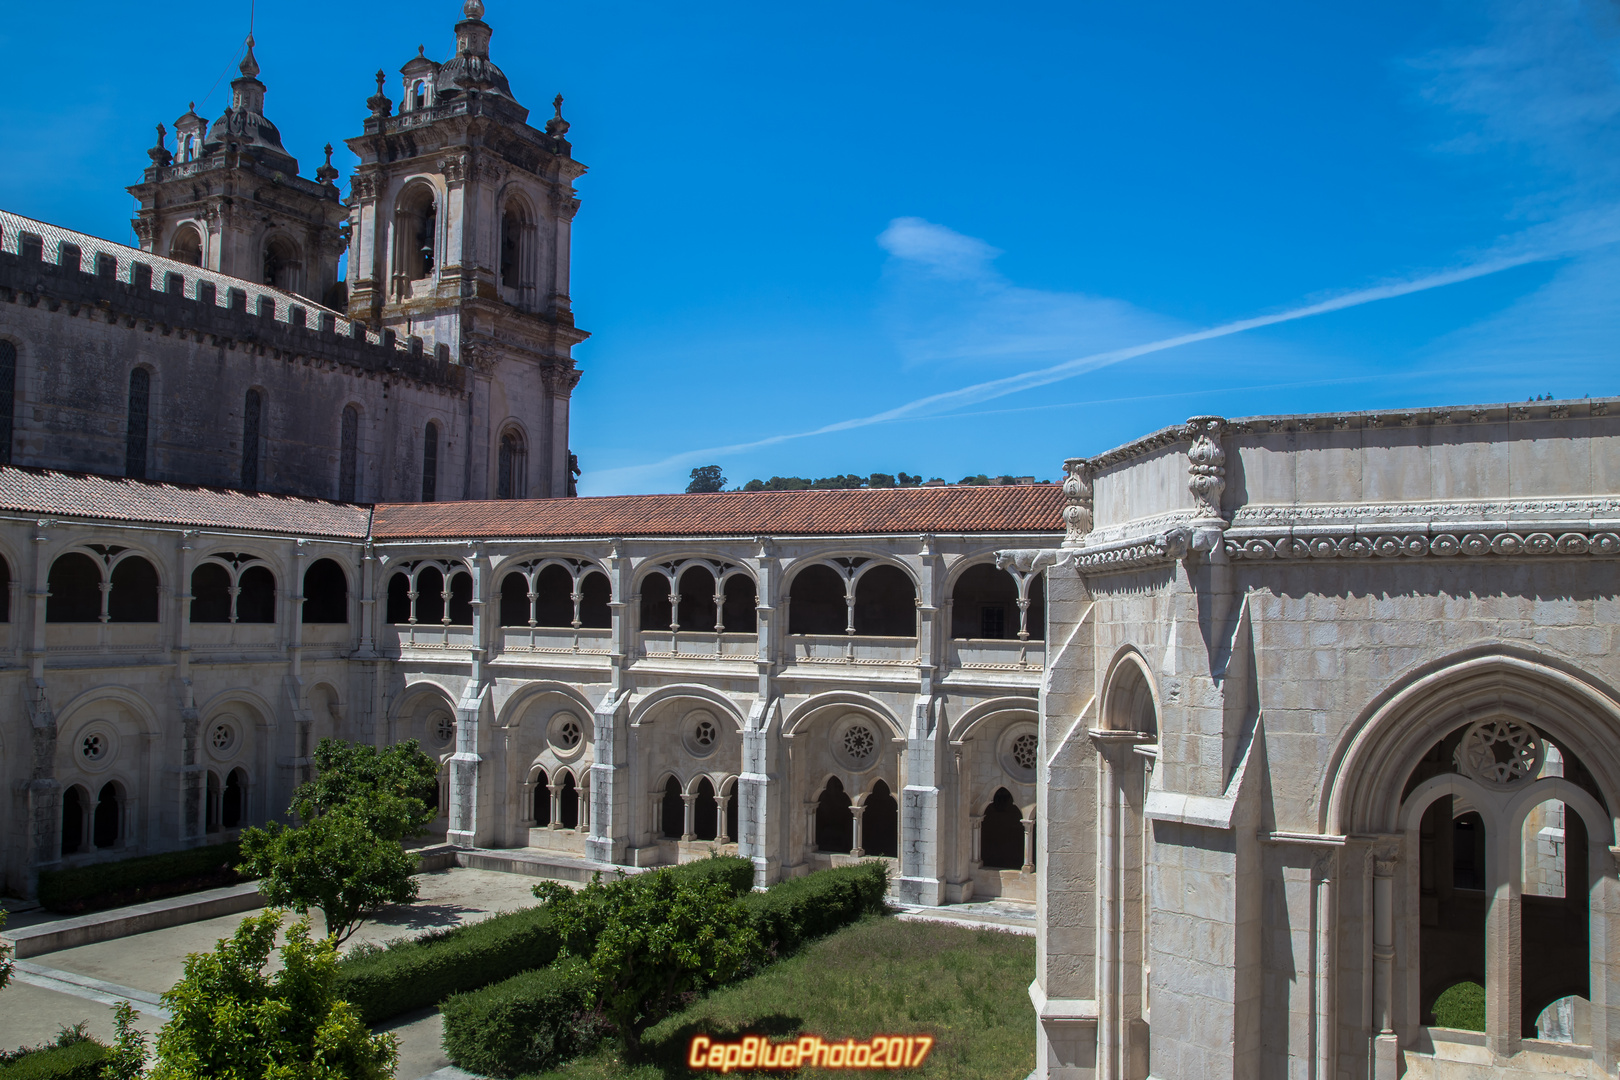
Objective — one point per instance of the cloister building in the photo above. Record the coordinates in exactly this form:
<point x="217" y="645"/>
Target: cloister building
<point x="799" y="677"/>
<point x="1331" y="726"/>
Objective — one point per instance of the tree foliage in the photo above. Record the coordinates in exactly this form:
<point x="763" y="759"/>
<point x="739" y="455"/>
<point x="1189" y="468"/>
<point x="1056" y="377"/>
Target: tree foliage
<point x="387" y="789"/>
<point x="652" y="941"/>
<point x="833" y="483"/>
<point x="706" y="478"/>
<point x="334" y="862"/>
<point x="233" y="1021"/>
<point x="127" y="1056"/>
<point x="5" y="955"/>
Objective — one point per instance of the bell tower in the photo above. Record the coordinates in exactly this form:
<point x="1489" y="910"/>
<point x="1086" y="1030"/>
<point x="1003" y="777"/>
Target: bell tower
<point x="229" y="197"/>
<point x="460" y="214"/>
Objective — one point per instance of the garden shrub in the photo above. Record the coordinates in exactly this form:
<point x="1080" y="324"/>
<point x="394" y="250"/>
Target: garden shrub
<point x="145" y="877"/>
<point x="792" y="912"/>
<point x="416" y="973"/>
<point x="73" y="1056"/>
<point x="527" y="1023"/>
<point x="735" y="873"/>
<point x="1461" y="1006"/>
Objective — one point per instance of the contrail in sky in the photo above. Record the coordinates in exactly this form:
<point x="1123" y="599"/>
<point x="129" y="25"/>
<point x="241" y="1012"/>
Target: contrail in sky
<point x="1068" y="369"/>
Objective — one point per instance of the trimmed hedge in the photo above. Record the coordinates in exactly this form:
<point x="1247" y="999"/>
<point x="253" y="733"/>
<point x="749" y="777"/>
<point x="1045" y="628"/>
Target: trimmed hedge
<point x="420" y="972"/>
<point x="145" y="877"/>
<point x="77" y="1060"/>
<point x="527" y="1023"/>
<point x="792" y="912"/>
<point x="532" y="1021"/>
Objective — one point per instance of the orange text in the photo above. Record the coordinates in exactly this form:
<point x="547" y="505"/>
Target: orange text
<point x="758" y="1052"/>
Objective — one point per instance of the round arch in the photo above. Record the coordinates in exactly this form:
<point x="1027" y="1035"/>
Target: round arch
<point x="641" y="712"/>
<point x="808" y="712"/>
<point x="510" y="714"/>
<point x="1025" y="708"/>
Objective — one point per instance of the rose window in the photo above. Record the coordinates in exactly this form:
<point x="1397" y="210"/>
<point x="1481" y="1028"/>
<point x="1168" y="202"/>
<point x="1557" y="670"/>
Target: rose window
<point x="569" y="734"/>
<point x="444" y="729"/>
<point x="93" y="747"/>
<point x="1024" y="750"/>
<point x="1500" y="752"/>
<point x="859" y="743"/>
<point x="704" y="734"/>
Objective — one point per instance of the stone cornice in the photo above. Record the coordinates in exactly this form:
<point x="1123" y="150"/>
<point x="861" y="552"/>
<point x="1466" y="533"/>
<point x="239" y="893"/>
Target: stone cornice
<point x="1132" y="552"/>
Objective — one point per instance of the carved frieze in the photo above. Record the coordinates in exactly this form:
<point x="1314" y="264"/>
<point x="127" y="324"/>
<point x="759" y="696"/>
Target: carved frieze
<point x="1419" y="544"/>
<point x="1136" y="551"/>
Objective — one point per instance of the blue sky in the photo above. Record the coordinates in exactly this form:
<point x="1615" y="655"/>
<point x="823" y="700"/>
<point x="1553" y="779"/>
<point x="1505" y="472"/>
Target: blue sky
<point x="849" y="237"/>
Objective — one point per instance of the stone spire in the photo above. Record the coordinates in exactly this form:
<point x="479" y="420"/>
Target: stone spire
<point x="247" y="92"/>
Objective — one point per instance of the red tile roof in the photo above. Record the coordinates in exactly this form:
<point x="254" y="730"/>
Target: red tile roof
<point x="86" y="495"/>
<point x="1011" y="509"/>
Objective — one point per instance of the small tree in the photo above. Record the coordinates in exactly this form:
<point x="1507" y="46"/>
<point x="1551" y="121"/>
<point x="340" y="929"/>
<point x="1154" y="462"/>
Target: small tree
<point x="232" y="1020"/>
<point x="127" y="1056"/>
<point x="657" y="939"/>
<point x="5" y="955"/>
<point x="706" y="478"/>
<point x="387" y="789"/>
<point x="334" y="863"/>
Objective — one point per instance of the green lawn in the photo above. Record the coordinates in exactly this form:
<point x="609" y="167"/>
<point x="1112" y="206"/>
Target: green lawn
<point x="968" y="988"/>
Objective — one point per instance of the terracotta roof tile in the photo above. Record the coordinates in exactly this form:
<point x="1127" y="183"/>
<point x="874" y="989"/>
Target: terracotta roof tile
<point x="1025" y="509"/>
<point x="86" y="495"/>
<point x="1012" y="509"/>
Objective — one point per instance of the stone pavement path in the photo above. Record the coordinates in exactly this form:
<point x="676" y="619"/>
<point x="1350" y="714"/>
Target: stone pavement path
<point x="62" y="988"/>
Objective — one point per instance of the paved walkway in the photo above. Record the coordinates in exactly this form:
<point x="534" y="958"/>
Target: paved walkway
<point x="63" y="988"/>
<point x="1010" y="916"/>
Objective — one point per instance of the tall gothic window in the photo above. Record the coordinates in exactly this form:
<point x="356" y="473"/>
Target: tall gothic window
<point x="430" y="462"/>
<point x="140" y="392"/>
<point x="509" y="467"/>
<point x="250" y="441"/>
<point x="348" y="453"/>
<point x="8" y="397"/>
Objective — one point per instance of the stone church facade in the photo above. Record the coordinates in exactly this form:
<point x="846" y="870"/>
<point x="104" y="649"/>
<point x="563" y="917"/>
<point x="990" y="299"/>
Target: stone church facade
<point x="226" y="351"/>
<point x="1333" y="729"/>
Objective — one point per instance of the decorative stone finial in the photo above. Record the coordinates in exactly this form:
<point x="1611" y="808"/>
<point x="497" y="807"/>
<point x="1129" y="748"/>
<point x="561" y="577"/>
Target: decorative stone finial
<point x="1077" y="498"/>
<point x="421" y="50"/>
<point x="327" y="173"/>
<point x="1206" y="463"/>
<point x="380" y="103"/>
<point x="250" y="66"/>
<point x="160" y="151"/>
<point x="557" y="125"/>
<point x="474" y="9"/>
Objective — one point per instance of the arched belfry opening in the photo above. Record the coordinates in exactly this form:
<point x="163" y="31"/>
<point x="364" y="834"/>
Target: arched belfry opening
<point x="416" y="238"/>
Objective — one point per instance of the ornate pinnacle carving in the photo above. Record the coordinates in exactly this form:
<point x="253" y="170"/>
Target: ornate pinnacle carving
<point x="380" y="103"/>
<point x="1206" y="463"/>
<point x="557" y="126"/>
<point x="327" y="173"/>
<point x="160" y="153"/>
<point x="1077" y="496"/>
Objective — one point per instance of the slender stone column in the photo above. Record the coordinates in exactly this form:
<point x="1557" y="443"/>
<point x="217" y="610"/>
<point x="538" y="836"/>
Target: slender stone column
<point x="855" y="846"/>
<point x="1386" y="1048"/>
<point x="1112" y="746"/>
<point x="688" y="831"/>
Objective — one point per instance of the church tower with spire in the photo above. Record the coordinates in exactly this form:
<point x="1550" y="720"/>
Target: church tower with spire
<point x="228" y="197"/>
<point x="459" y="218"/>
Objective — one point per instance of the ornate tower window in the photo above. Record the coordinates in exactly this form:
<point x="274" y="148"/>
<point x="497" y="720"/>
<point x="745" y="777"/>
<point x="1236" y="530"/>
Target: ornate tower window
<point x="509" y="466"/>
<point x="416" y="228"/>
<point x="283" y="268"/>
<point x="186" y="246"/>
